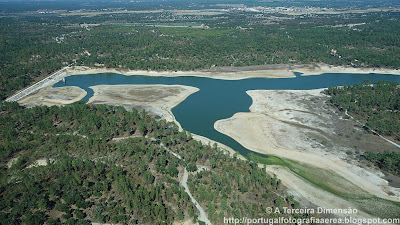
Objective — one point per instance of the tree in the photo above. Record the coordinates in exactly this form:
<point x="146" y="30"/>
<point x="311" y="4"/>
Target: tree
<point x="148" y="177"/>
<point x="35" y="218"/>
<point x="79" y="214"/>
<point x="180" y="215"/>
<point x="191" y="167"/>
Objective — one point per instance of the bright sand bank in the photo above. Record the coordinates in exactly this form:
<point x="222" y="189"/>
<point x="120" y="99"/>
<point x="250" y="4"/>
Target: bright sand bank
<point x="50" y="96"/>
<point x="223" y="75"/>
<point x="156" y="99"/>
<point x="281" y="123"/>
<point x="238" y="73"/>
<point x="323" y="68"/>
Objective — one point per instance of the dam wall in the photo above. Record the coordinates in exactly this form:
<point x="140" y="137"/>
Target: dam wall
<point x="50" y="80"/>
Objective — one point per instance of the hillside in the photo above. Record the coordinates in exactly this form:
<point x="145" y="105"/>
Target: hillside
<point x="75" y="164"/>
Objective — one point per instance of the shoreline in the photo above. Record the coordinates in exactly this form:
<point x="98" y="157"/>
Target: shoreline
<point x="243" y="74"/>
<point x="157" y="99"/>
<point x="239" y="73"/>
<point x="280" y="127"/>
<point x="214" y="74"/>
<point x="226" y="149"/>
<point x="222" y="73"/>
<point x="50" y="96"/>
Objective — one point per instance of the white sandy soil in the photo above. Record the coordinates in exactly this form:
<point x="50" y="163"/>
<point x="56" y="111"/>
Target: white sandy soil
<point x="238" y="73"/>
<point x="223" y="75"/>
<point x="50" y="96"/>
<point x="156" y="99"/>
<point x="279" y="126"/>
<point x="323" y="68"/>
<point x="39" y="162"/>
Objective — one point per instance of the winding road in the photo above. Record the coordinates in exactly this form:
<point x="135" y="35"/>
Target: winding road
<point x="203" y="216"/>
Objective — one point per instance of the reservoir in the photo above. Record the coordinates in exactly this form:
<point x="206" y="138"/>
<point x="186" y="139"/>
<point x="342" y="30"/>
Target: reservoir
<point x="220" y="99"/>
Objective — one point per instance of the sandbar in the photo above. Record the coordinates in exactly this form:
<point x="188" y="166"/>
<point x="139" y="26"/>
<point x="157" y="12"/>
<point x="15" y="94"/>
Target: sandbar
<point x="158" y="100"/>
<point x="50" y="96"/>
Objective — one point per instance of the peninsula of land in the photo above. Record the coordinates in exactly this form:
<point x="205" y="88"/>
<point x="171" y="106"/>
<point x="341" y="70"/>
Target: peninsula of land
<point x="155" y="99"/>
<point x="50" y="96"/>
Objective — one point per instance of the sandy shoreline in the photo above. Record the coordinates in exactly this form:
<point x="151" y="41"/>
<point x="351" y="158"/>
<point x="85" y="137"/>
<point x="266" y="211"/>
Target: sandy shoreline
<point x="278" y="124"/>
<point x="323" y="68"/>
<point x="223" y="75"/>
<point x="245" y="127"/>
<point x="50" y="96"/>
<point x="155" y="99"/>
<point x="238" y="73"/>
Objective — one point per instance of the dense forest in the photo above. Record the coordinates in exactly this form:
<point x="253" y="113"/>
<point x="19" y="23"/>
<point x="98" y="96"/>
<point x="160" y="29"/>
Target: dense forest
<point x="33" y="46"/>
<point x="387" y="161"/>
<point x="89" y="172"/>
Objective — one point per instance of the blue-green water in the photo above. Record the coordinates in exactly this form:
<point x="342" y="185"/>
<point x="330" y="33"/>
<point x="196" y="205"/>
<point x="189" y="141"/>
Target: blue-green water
<point x="220" y="99"/>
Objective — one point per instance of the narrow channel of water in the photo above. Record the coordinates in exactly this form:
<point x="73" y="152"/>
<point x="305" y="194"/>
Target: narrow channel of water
<point x="220" y="99"/>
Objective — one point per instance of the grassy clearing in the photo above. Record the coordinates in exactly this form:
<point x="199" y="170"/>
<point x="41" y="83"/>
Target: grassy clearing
<point x="323" y="179"/>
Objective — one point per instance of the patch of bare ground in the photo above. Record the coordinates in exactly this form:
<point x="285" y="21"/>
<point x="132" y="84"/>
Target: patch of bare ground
<point x="50" y="96"/>
<point x="155" y="99"/>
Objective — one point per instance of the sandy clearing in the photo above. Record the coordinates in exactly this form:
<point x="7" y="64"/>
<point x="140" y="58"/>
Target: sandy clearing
<point x="156" y="99"/>
<point x="12" y="161"/>
<point x="279" y="126"/>
<point x="40" y="162"/>
<point x="50" y="96"/>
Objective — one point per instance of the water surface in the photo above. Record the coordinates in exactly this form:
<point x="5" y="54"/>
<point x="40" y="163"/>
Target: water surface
<point x="219" y="99"/>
